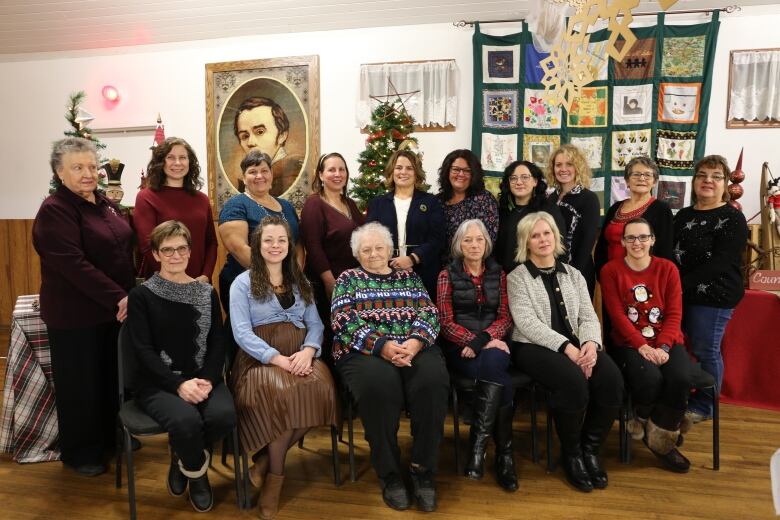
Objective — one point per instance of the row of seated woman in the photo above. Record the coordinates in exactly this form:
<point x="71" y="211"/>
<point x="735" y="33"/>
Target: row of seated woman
<point x="392" y="346"/>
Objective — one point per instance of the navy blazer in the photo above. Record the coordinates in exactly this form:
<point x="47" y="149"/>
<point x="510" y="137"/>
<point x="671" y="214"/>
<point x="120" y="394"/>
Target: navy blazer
<point x="425" y="232"/>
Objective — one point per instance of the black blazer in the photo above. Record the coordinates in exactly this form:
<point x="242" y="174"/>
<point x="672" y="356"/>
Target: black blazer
<point x="425" y="232"/>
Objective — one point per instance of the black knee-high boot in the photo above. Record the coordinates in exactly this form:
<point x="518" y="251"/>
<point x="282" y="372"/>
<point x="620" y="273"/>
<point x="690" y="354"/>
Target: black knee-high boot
<point x="569" y="427"/>
<point x="486" y="403"/>
<point x="502" y="436"/>
<point x="598" y="423"/>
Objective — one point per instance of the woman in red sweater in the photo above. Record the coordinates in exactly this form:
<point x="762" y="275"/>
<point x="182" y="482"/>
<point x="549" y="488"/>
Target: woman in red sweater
<point x="172" y="193"/>
<point x="643" y="297"/>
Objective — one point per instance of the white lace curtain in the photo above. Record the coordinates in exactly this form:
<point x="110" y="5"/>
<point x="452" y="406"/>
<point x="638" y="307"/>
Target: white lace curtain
<point x="436" y="103"/>
<point x="755" y="86"/>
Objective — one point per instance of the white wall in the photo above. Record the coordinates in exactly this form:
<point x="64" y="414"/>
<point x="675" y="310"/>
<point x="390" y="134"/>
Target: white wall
<point x="170" y="79"/>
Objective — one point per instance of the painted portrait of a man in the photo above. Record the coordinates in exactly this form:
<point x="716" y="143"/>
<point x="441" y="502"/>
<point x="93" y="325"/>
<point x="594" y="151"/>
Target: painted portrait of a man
<point x="263" y="114"/>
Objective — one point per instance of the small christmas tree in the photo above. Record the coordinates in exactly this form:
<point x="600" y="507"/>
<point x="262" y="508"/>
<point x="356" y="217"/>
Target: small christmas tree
<point x="78" y="119"/>
<point x="390" y="126"/>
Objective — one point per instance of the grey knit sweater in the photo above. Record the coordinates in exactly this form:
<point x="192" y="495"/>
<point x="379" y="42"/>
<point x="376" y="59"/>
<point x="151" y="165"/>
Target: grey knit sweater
<point x="529" y="304"/>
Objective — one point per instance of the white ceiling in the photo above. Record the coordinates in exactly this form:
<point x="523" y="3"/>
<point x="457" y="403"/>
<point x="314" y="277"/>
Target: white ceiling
<point x="28" y="26"/>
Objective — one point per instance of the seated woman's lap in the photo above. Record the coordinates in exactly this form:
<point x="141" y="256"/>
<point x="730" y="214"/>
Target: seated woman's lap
<point x="650" y="383"/>
<point x="491" y="364"/>
<point x="569" y="388"/>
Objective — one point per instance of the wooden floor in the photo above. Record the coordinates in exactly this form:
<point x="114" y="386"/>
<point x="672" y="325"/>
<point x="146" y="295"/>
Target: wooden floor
<point x="741" y="489"/>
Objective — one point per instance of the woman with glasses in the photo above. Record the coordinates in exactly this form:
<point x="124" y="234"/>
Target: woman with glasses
<point x="523" y="191"/>
<point x="709" y="238"/>
<point x="641" y="175"/>
<point x="643" y="298"/>
<point x="415" y="219"/>
<point x="463" y="195"/>
<point x="568" y="172"/>
<point x="175" y="329"/>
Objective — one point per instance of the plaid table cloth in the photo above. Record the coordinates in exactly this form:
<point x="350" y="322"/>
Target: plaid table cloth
<point x="28" y="428"/>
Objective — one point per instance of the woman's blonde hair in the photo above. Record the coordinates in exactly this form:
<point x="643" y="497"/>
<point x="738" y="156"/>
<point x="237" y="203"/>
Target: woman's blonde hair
<point x="583" y="173"/>
<point x="419" y="174"/>
<point x="524" y="232"/>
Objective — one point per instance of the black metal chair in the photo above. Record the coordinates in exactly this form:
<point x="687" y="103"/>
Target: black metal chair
<point x="132" y="421"/>
<point x="461" y="384"/>
<point x="701" y="381"/>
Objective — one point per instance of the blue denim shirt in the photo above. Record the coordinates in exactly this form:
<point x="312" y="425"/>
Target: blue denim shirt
<point x="246" y="313"/>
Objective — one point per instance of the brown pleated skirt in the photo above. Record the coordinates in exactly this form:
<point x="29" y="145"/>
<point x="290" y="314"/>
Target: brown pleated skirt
<point x="270" y="400"/>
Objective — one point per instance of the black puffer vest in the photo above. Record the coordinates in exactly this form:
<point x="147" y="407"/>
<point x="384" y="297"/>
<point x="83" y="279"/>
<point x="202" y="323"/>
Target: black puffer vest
<point x="467" y="313"/>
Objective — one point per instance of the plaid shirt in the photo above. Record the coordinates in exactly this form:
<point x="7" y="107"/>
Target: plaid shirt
<point x="459" y="335"/>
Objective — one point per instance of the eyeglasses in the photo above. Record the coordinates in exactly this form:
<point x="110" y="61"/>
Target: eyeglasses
<point x="167" y="252"/>
<point x="457" y="170"/>
<point x="703" y="176"/>
<point x="633" y="238"/>
<point x="641" y="175"/>
<point x="514" y="179"/>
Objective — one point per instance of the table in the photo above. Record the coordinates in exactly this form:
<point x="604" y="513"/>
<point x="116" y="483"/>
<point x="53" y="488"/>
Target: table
<point x="28" y="427"/>
<point x="751" y="352"/>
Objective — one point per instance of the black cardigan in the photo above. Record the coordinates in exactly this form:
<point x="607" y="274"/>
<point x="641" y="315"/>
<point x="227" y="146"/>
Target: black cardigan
<point x="660" y="217"/>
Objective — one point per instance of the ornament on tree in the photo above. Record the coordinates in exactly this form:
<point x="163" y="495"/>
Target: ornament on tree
<point x="735" y="189"/>
<point x="159" y="133"/>
<point x="390" y="127"/>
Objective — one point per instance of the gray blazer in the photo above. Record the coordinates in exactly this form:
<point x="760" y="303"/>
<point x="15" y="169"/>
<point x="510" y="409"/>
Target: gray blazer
<point x="529" y="304"/>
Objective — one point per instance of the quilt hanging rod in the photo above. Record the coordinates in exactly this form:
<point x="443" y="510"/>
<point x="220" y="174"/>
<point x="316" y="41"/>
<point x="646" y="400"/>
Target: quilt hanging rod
<point x="727" y="9"/>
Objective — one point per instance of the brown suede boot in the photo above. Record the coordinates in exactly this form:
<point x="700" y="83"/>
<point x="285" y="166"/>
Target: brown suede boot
<point x="258" y="471"/>
<point x="662" y="443"/>
<point x="268" y="504"/>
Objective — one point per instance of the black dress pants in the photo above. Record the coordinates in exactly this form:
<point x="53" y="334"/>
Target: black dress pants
<point x="667" y="386"/>
<point x="381" y="389"/>
<point x="191" y="427"/>
<point x="84" y="368"/>
<point x="570" y="390"/>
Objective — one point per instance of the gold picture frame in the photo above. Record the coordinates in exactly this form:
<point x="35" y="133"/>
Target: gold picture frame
<point x="271" y="104"/>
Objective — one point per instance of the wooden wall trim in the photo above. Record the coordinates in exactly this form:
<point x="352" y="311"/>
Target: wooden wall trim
<point x="19" y="263"/>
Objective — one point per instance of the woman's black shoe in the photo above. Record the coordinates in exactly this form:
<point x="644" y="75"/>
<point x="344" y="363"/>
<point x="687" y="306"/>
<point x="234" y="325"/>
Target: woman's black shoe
<point x="177" y="482"/>
<point x="201" y="497"/>
<point x="395" y="494"/>
<point x="576" y="473"/>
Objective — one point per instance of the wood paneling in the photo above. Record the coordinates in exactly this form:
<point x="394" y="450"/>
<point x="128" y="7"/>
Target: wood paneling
<point x="20" y="266"/>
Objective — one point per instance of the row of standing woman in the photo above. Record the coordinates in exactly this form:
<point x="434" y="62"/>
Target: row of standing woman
<point x="87" y="271"/>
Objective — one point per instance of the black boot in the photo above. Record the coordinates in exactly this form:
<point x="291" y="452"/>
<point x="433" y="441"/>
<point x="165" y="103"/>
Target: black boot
<point x="177" y="482"/>
<point x="201" y="496"/>
<point x="662" y="436"/>
<point x="598" y="422"/>
<point x="569" y="426"/>
<point x="486" y="401"/>
<point x="505" y="462"/>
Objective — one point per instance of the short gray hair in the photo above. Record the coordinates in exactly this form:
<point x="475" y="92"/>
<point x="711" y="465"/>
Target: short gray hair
<point x="524" y="231"/>
<point x="455" y="249"/>
<point x="365" y="229"/>
<point x="65" y="146"/>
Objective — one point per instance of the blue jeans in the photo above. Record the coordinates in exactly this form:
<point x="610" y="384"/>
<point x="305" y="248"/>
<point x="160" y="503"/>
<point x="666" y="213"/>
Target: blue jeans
<point x="705" y="327"/>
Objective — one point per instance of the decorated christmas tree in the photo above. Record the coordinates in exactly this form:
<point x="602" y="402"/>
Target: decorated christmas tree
<point x="389" y="130"/>
<point x="78" y="119"/>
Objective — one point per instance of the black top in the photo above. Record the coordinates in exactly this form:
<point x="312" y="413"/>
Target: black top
<point x="708" y="249"/>
<point x="506" y="242"/>
<point x="660" y="217"/>
<point x="581" y="210"/>
<point x="176" y="332"/>
<point x="559" y="319"/>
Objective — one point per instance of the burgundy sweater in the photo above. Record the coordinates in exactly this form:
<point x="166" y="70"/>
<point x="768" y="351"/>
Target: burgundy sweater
<point x="645" y="307"/>
<point x="155" y="207"/>
<point x="325" y="234"/>
<point x="86" y="259"/>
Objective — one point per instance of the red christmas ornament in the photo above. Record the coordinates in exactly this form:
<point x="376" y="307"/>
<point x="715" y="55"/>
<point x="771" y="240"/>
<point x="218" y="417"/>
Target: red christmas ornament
<point x="737" y="176"/>
<point x="396" y="134"/>
<point x="736" y="205"/>
<point x="736" y="191"/>
<point x="372" y="163"/>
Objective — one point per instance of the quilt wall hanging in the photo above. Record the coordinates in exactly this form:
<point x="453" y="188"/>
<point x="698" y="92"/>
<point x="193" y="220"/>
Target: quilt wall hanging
<point x="654" y="102"/>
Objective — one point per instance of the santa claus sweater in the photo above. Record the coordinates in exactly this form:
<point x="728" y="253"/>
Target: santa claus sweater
<point x="645" y="307"/>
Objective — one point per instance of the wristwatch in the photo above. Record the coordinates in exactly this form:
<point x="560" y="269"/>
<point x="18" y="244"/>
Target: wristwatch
<point x="666" y="348"/>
